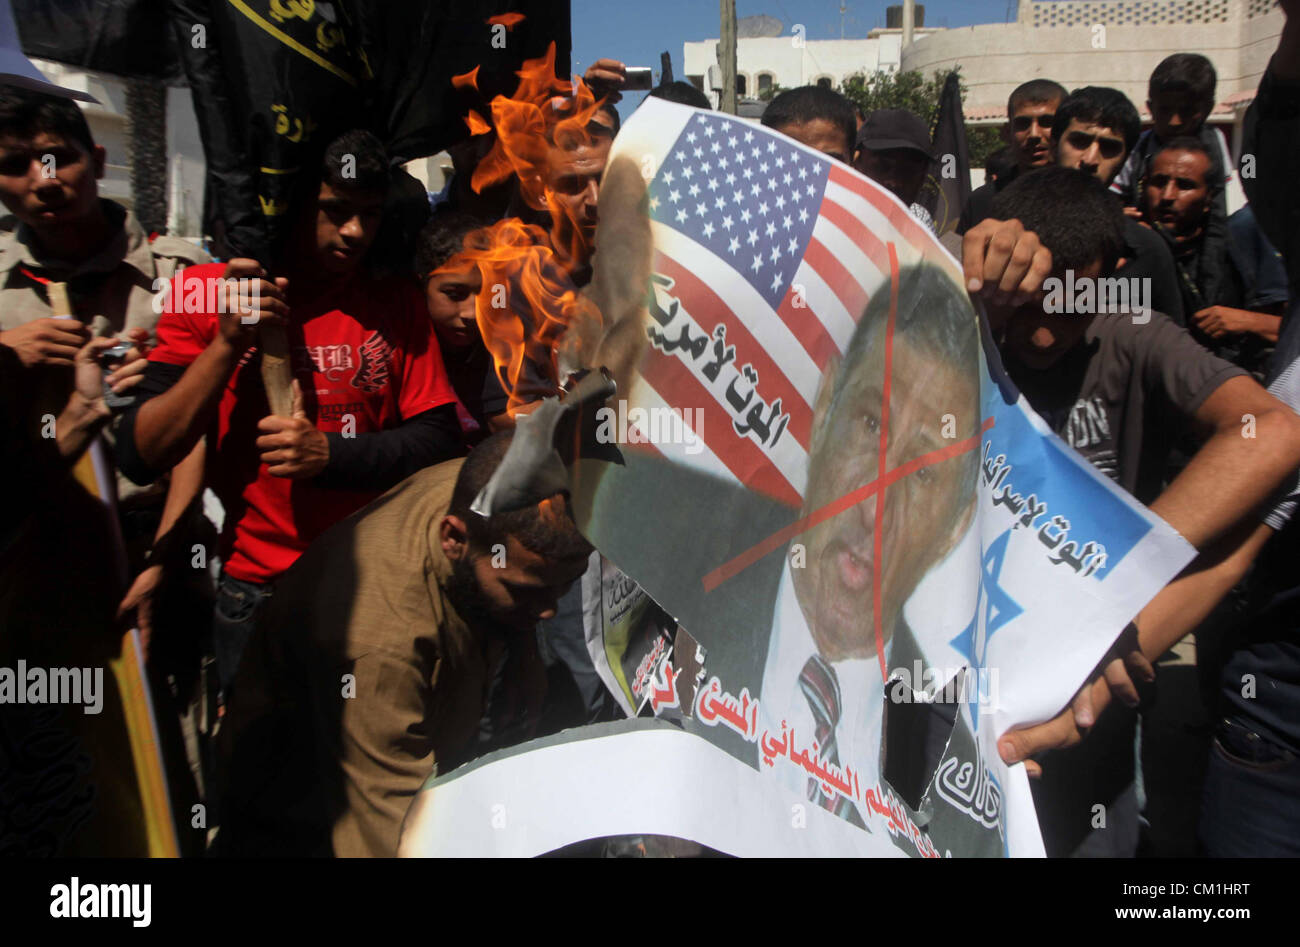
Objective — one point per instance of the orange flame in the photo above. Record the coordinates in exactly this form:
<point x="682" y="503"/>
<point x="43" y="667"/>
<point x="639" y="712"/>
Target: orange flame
<point x="528" y="300"/>
<point x="466" y="80"/>
<point x="525" y="306"/>
<point x="508" y="20"/>
<point x="544" y="113"/>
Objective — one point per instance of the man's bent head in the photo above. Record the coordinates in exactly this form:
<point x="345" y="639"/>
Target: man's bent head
<point x="509" y="568"/>
<point x="1081" y="223"/>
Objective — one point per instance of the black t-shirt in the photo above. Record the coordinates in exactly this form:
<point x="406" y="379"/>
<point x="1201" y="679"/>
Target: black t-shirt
<point x="479" y="391"/>
<point x="980" y="204"/>
<point x="1147" y="257"/>
<point x="1261" y="680"/>
<point x="1269" y="647"/>
<point x="1209" y="276"/>
<point x="1123" y="393"/>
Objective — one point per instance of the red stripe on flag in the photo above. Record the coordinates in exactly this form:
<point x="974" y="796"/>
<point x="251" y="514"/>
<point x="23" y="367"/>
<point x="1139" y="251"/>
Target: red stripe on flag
<point x="674" y="383"/>
<point x="858" y="232"/>
<point x="808" y="329"/>
<point x="836" y="275"/>
<point x="903" y="221"/>
<point x="708" y="310"/>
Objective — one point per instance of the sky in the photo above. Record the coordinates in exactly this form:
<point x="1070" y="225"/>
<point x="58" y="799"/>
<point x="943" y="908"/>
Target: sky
<point x="637" y="31"/>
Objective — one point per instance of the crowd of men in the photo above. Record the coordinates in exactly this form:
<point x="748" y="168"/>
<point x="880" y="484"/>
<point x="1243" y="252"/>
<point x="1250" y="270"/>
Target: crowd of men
<point x="361" y="633"/>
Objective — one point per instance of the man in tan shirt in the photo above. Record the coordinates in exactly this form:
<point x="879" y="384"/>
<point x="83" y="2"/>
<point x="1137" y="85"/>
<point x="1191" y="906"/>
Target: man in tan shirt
<point x="370" y="666"/>
<point x="66" y="233"/>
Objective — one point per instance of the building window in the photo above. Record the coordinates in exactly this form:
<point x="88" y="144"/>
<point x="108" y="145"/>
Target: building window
<point x="764" y="82"/>
<point x="824" y="82"/>
<point x="742" y="84"/>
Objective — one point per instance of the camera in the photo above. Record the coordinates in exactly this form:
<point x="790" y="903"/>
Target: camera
<point x="110" y="360"/>
<point x="637" y="79"/>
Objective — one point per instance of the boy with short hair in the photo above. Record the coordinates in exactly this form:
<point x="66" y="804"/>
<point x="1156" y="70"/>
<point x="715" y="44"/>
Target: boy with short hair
<point x="451" y="286"/>
<point x="372" y="402"/>
<point x="1180" y="97"/>
<point x="815" y="116"/>
<point x="66" y="233"/>
<point x="1094" y="130"/>
<point x="1031" y="110"/>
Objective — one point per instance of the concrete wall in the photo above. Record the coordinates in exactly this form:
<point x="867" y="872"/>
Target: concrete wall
<point x="995" y="58"/>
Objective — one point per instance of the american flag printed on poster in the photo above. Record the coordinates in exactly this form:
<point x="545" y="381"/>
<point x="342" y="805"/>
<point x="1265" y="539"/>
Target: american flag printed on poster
<point x="766" y="255"/>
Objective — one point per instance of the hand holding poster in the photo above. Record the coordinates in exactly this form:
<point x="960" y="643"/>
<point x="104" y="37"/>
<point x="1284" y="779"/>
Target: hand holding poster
<point x="886" y="557"/>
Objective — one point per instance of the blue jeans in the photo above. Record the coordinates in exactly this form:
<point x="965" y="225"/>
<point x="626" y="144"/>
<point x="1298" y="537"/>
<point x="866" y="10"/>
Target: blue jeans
<point x="233" y="620"/>
<point x="1251" y="805"/>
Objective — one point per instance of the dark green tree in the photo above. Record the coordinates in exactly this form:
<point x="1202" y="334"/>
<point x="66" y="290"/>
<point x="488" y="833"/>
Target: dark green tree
<point x="914" y="92"/>
<point x="146" y="115"/>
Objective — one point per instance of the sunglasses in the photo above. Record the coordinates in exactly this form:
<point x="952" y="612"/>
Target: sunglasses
<point x="1109" y="147"/>
<point x="1022" y="123"/>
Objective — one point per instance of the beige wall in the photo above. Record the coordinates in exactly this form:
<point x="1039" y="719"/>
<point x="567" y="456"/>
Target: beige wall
<point x="995" y="58"/>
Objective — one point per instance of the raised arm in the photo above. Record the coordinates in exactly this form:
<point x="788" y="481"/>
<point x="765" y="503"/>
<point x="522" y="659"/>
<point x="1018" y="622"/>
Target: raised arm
<point x="167" y="427"/>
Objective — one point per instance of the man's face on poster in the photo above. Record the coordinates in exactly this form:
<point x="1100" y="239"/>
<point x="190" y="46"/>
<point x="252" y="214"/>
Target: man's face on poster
<point x="924" y="513"/>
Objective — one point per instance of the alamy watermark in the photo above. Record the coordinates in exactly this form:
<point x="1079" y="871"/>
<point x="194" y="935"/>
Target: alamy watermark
<point x="77" y="899"/>
<point x="662" y="425"/>
<point x="1089" y="295"/>
<point x="37" y="685"/>
<point x="935" y="685"/>
<point x="198" y="297"/>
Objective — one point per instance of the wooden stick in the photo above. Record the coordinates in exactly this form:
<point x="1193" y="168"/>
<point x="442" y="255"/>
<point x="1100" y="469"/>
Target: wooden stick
<point x="277" y="371"/>
<point x="60" y="306"/>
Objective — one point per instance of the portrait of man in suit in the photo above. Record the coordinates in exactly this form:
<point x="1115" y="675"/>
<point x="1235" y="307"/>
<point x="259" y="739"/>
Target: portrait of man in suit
<point x="824" y="677"/>
<point x="933" y="402"/>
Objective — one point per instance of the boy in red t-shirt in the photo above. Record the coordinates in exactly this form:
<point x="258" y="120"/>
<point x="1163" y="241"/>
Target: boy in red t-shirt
<point x="372" y="403"/>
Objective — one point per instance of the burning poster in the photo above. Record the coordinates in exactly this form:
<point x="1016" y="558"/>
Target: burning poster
<point x="886" y="558"/>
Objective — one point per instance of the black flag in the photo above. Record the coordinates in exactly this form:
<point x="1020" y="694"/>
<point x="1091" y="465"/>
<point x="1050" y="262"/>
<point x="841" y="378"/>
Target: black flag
<point x="130" y="38"/>
<point x="947" y="186"/>
<point x="274" y="81"/>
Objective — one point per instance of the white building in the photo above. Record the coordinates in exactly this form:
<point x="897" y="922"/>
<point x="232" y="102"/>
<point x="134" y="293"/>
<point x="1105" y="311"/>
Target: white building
<point x="1106" y="42"/>
<point x="790" y="60"/>
<point x="1075" y="42"/>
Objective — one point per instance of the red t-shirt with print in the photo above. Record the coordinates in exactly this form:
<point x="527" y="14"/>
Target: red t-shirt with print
<point x="366" y="359"/>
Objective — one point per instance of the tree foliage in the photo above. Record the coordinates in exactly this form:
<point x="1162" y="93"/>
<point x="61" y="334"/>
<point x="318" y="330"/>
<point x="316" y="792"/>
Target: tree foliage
<point x="914" y="92"/>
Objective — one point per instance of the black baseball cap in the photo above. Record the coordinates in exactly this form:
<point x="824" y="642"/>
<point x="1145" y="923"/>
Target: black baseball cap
<point x="887" y="129"/>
